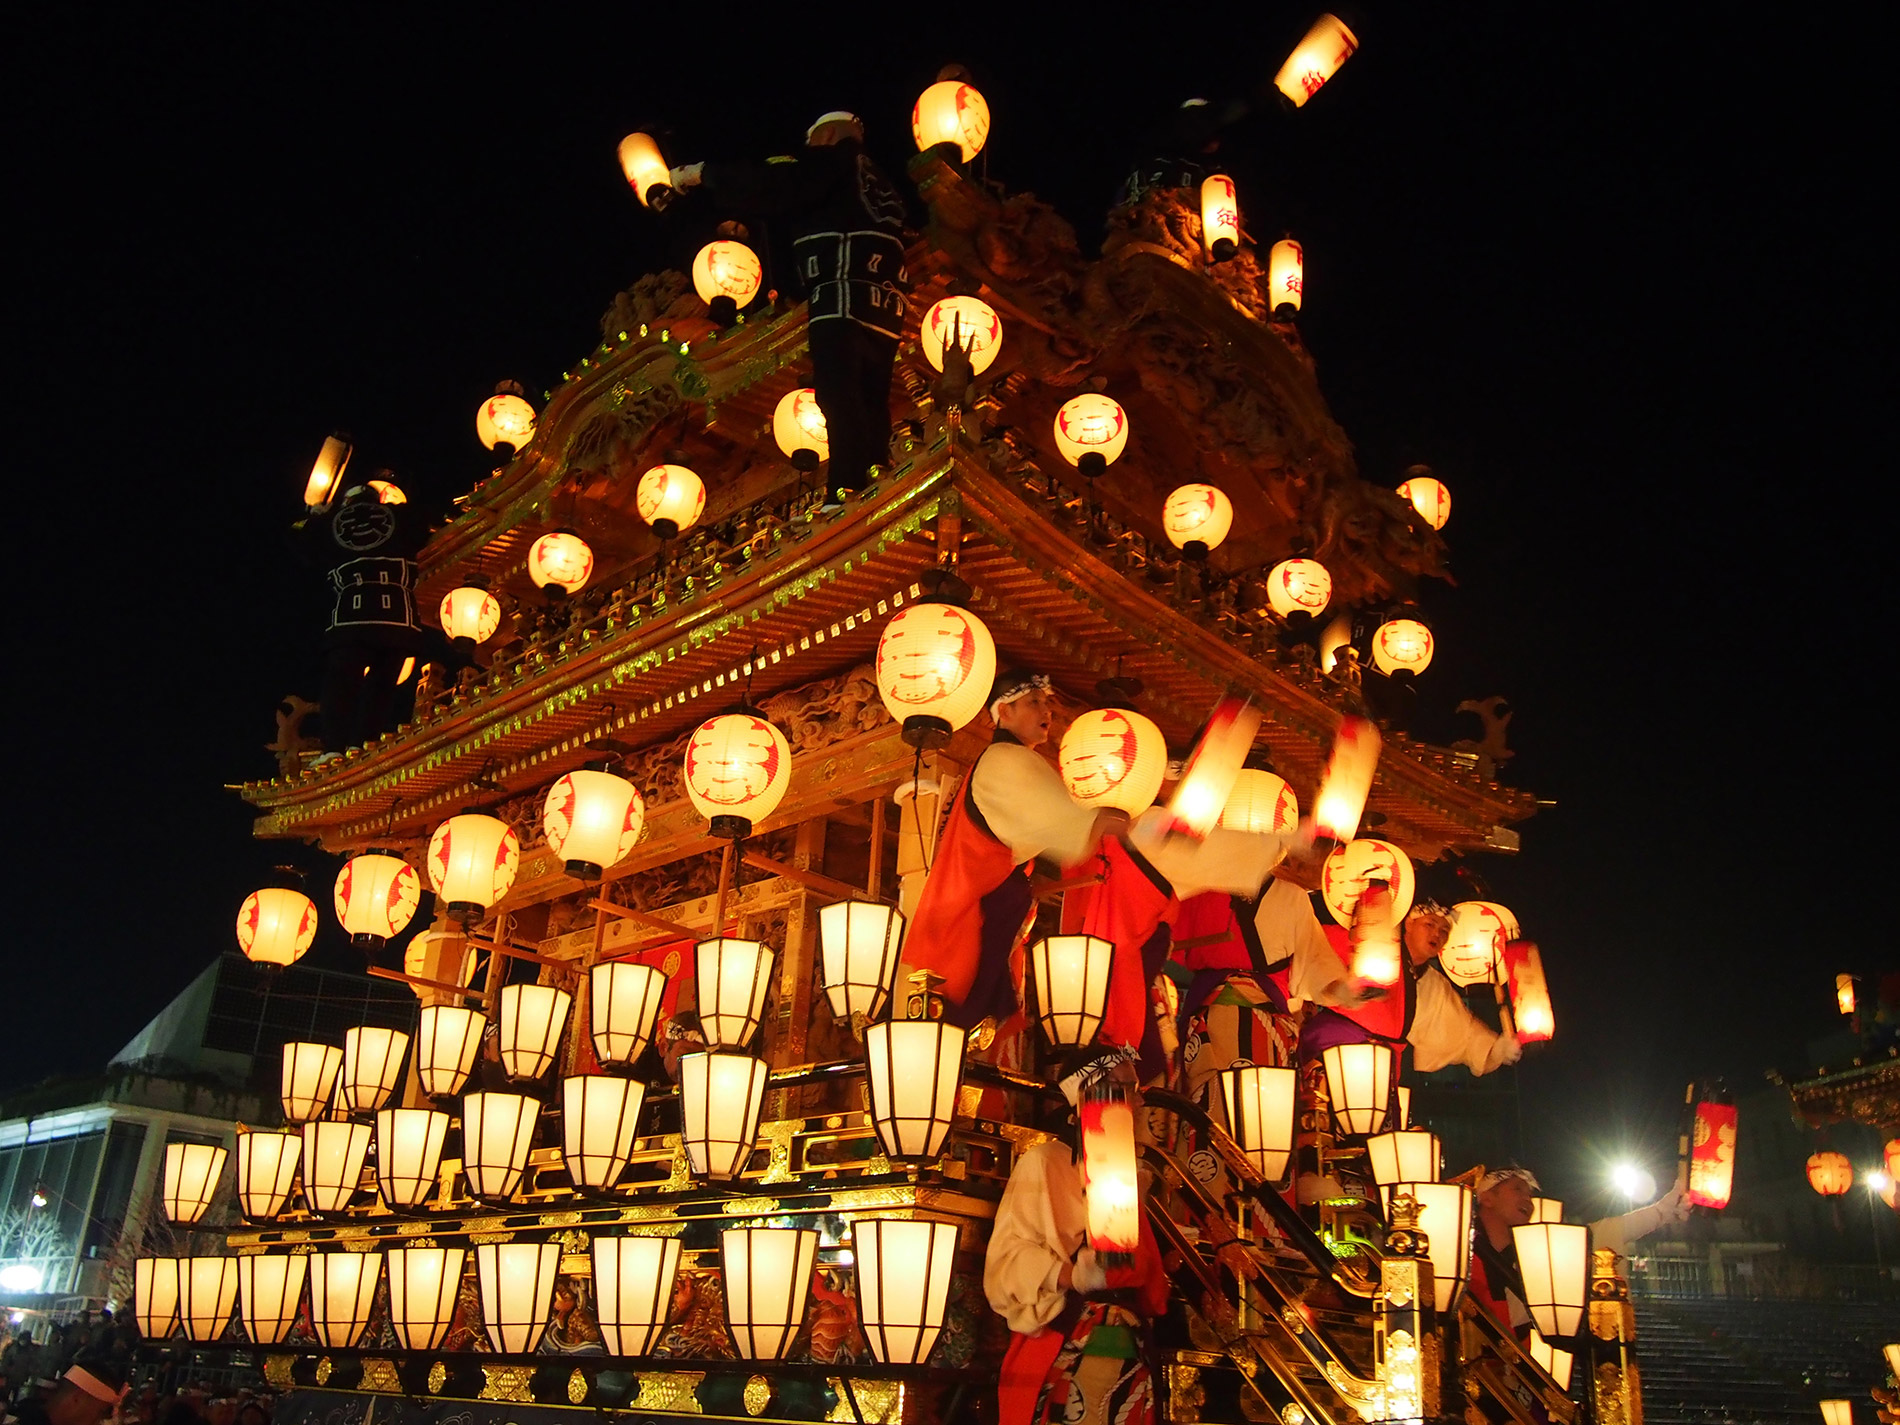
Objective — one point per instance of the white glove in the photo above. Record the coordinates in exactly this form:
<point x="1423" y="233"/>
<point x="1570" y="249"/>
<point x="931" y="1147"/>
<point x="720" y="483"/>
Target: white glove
<point x="688" y="175"/>
<point x="1088" y="1275"/>
<point x="1509" y="1050"/>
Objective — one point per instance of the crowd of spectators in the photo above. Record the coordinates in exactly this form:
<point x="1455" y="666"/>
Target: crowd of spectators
<point x="37" y="1389"/>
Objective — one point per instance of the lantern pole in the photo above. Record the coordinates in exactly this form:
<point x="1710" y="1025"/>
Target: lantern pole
<point x="726" y="858"/>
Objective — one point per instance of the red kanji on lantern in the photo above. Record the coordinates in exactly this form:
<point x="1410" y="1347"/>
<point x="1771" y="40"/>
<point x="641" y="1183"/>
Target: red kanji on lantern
<point x="1712" y="1156"/>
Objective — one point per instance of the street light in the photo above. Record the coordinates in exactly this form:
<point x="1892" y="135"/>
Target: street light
<point x="1632" y="1183"/>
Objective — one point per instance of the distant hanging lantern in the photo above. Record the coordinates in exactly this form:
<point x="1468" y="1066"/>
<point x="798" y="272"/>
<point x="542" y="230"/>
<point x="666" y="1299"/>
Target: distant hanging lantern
<point x="505" y="421"/>
<point x="1208" y="777"/>
<point x="1554" y="1263"/>
<point x="409" y="1153"/>
<point x="448" y="1037"/>
<point x="1348" y="779"/>
<point x="470" y="613"/>
<point x="860" y="943"/>
<point x="1712" y="1156"/>
<point x="968" y="323"/>
<point x="561" y="562"/>
<point x="310" y="1072"/>
<point x="903" y="1271"/>
<point x="1474" y="945"/>
<point x="207" y="1290"/>
<point x="671" y="499"/>
<point x="497" y="1131"/>
<point x="1259" y="1103"/>
<point x="1444" y="1216"/>
<point x="1402" y="645"/>
<point x="952" y="112"/>
<point x="326" y="475"/>
<point x="266" y="1170"/>
<point x="388" y="492"/>
<point x="1404" y="1156"/>
<point x="270" y="1290"/>
<point x="646" y="171"/>
<point x="1359" y="1086"/>
<point x="276" y="925"/>
<point x="1110" y="1189"/>
<point x="1260" y="802"/>
<point x="731" y="977"/>
<point x="720" y="1098"/>
<point x="1113" y="757"/>
<point x="1070" y="975"/>
<point x="530" y="1020"/>
<point x="915" y="1073"/>
<point x="1299" y="586"/>
<point x="798" y="425"/>
<point x="727" y="269"/>
<point x="1844" y="993"/>
<point x="1286" y="276"/>
<point x="1530" y="992"/>
<point x="155" y="1296"/>
<point x="424" y="1283"/>
<point x="633" y="1290"/>
<point x="1428" y="495"/>
<point x="767" y="1274"/>
<point x="1830" y="1174"/>
<point x="192" y="1171"/>
<point x="624" y="1000"/>
<point x="1556" y="1363"/>
<point x="1220" y="216"/>
<point x="515" y="1281"/>
<point x="592" y="820"/>
<point x="738" y="767"/>
<point x="342" y="1291"/>
<point x="1315" y="59"/>
<point x="372" y="1067"/>
<point x="599" y="1116"/>
<point x="935" y="666"/>
<point x="376" y="896"/>
<point x="1091" y="432"/>
<point x="1351" y="868"/>
<point x="472" y="863"/>
<point x="1196" y="518"/>
<point x="333" y="1154"/>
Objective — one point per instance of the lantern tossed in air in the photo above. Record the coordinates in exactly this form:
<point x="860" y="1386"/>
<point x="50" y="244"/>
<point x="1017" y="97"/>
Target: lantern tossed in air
<point x="1374" y="937"/>
<point x="1401" y="645"/>
<point x="376" y="896"/>
<point x="1348" y="780"/>
<point x="1530" y="992"/>
<point x="798" y="425"/>
<point x="1286" y="277"/>
<point x="1091" y="431"/>
<point x="1351" y="868"/>
<point x="1830" y="1174"/>
<point x="1299" y="586"/>
<point x="1315" y="59"/>
<point x="951" y="112"/>
<point x="1215" y="764"/>
<point x="671" y="499"/>
<point x="738" y="767"/>
<point x="1220" y="217"/>
<point x="646" y="171"/>
<point x="592" y="820"/>
<point x="276" y="925"/>
<point x="469" y="615"/>
<point x="1113" y="757"/>
<point x="561" y="563"/>
<point x="968" y="323"/>
<point x="935" y="665"/>
<point x="1261" y="801"/>
<point x="1110" y="1188"/>
<point x="326" y="475"/>
<point x="505" y="421"/>
<point x="1712" y="1156"/>
<point x="1196" y="518"/>
<point x="1844" y="993"/>
<point x="726" y="274"/>
<point x="472" y="861"/>
<point x="1426" y="494"/>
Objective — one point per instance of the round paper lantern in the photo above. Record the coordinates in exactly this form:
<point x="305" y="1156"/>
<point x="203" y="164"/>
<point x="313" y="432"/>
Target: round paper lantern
<point x="727" y="269"/>
<point x="798" y="425"/>
<point x="592" y="820"/>
<point x="505" y="421"/>
<point x="472" y="861"/>
<point x="388" y="492"/>
<point x="646" y="171"/>
<point x="1091" y="432"/>
<point x="1474" y="946"/>
<point x="1196" y="519"/>
<point x="441" y="953"/>
<point x="470" y="613"/>
<point x="1286" y="275"/>
<point x="1830" y="1174"/>
<point x="950" y="111"/>
<point x="1112" y="757"/>
<point x="1298" y="586"/>
<point x="1402" y="645"/>
<point x="1220" y="216"/>
<point x="1342" y="880"/>
<point x="1315" y="59"/>
<point x="738" y="767"/>
<point x="560" y="561"/>
<point x="1427" y="495"/>
<point x="670" y="498"/>
<point x="276" y="925"/>
<point x="1260" y="801"/>
<point x="935" y="666"/>
<point x="968" y="322"/>
<point x="376" y="896"/>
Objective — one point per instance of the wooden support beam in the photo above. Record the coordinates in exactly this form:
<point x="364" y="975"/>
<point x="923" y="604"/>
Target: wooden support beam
<point x="378" y="972"/>
<point x="514" y="952"/>
<point x="811" y="880"/>
<point x="651" y="922"/>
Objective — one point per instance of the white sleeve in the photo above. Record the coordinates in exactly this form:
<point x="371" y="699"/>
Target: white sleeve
<point x="1616" y="1234"/>
<point x="1235" y="862"/>
<point x="1027" y="808"/>
<point x="1027" y="1248"/>
<point x="1287" y="926"/>
<point x="1445" y="1032"/>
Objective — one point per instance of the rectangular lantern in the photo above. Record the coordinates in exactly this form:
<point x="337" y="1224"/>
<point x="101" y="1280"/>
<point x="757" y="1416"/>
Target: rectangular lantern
<point x="732" y="977"/>
<point x="266" y="1170"/>
<point x="1359" y="1085"/>
<point x="1712" y="1155"/>
<point x="448" y="1037"/>
<point x="155" y="1296"/>
<point x="207" y="1289"/>
<point x="625" y="1003"/>
<point x="408" y="1153"/>
<point x="768" y="1281"/>
<point x="1070" y="974"/>
<point x="342" y="1291"/>
<point x="1837" y="1412"/>
<point x="530" y="1020"/>
<point x="1259" y="1103"/>
<point x="903" y="1272"/>
<point x="372" y="1067"/>
<point x="1213" y="767"/>
<point x="1556" y="1363"/>
<point x="497" y="1131"/>
<point x="633" y="1290"/>
<point x="599" y="1117"/>
<point x="1402" y="1156"/>
<point x="862" y="942"/>
<point x="269" y="1292"/>
<point x="1844" y="993"/>
<point x="1547" y="1209"/>
<point x="1109" y="1184"/>
<point x="720" y="1099"/>
<point x="1530" y="995"/>
<point x="1220" y="216"/>
<point x="1405" y="1106"/>
<point x="423" y="1284"/>
<point x="915" y="1068"/>
<point x="192" y="1171"/>
<point x="310" y="1072"/>
<point x="1315" y="59"/>
<point x="1554" y="1262"/>
<point x="516" y="1282"/>
<point x="326" y="475"/>
<point x="333" y="1154"/>
<point x="1348" y="779"/>
<point x="1444" y="1216"/>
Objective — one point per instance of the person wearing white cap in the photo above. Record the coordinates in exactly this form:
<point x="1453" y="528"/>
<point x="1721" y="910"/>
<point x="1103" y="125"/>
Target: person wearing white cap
<point x="847" y="223"/>
<point x="90" y="1391"/>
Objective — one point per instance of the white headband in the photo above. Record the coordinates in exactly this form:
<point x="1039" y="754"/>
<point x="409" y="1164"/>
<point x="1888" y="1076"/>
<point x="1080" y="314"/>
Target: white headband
<point x="95" y="1387"/>
<point x="1035" y="683"/>
<point x="1093" y="1072"/>
<point x="1491" y="1180"/>
<point x="836" y="116"/>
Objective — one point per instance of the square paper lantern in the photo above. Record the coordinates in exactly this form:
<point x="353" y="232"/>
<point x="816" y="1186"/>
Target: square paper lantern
<point x="633" y="1290"/>
<point x="599" y="1116"/>
<point x="1259" y="1102"/>
<point x="269" y="1291"/>
<point x="342" y="1291"/>
<point x="1359" y="1085"/>
<point x="903" y="1274"/>
<point x="310" y="1072"/>
<point x="408" y="1153"/>
<point x="155" y="1296"/>
<point x="720" y="1099"/>
<point x="207" y="1289"/>
<point x="625" y="1001"/>
<point x="1554" y="1262"/>
<point x="861" y="943"/>
<point x="1444" y="1216"/>
<point x="1070" y="974"/>
<point x="192" y="1171"/>
<point x="372" y="1067"/>
<point x="516" y="1281"/>
<point x="497" y="1131"/>
<point x="266" y="1169"/>
<point x="333" y="1154"/>
<point x="768" y="1282"/>
<point x="732" y="977"/>
<point x="916" y="1071"/>
<point x="448" y="1037"/>
<point x="423" y="1283"/>
<point x="531" y="1018"/>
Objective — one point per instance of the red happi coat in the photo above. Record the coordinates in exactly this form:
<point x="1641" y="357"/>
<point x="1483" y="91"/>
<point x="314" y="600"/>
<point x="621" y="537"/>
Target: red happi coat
<point x="1129" y="909"/>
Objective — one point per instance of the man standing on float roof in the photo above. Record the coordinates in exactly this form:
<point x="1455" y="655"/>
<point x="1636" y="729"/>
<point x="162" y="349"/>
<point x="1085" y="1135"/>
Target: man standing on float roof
<point x="847" y="225"/>
<point x="977" y="901"/>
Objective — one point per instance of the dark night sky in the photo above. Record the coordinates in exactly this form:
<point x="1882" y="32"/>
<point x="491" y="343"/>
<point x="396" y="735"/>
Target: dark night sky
<point x="1611" y="280"/>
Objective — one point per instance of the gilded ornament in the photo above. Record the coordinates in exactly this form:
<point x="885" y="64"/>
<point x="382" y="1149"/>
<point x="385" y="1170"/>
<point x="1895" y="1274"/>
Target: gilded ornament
<point x="507" y="1383"/>
<point x="676" y="1392"/>
<point x="380" y="1375"/>
<point x="577" y="1387"/>
<point x="277" y="1371"/>
<point x="438" y="1377"/>
<point x="758" y="1395"/>
<point x="324" y="1369"/>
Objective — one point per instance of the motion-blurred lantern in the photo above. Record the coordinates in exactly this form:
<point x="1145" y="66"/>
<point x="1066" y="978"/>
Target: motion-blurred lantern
<point x="1315" y="59"/>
